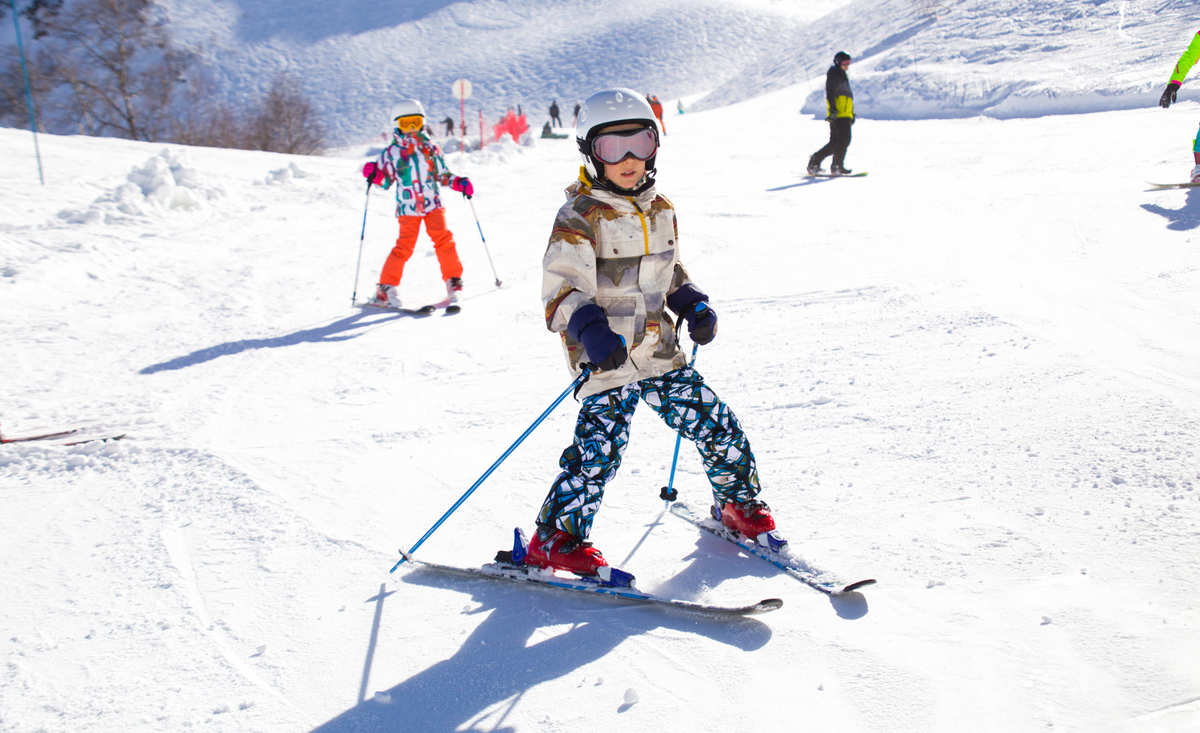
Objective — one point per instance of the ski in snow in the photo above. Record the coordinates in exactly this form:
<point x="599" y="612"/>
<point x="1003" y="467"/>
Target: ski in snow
<point x="74" y="436"/>
<point x="783" y="559"/>
<point x="425" y="310"/>
<point x="1164" y="186"/>
<point x="547" y="579"/>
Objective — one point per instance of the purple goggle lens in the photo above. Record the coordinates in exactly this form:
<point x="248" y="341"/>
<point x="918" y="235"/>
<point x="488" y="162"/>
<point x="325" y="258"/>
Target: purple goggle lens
<point x="613" y="147"/>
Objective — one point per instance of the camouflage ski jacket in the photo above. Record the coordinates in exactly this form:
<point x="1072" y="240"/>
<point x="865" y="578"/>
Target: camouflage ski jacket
<point x="415" y="164"/>
<point x="621" y="253"/>
<point x="1187" y="60"/>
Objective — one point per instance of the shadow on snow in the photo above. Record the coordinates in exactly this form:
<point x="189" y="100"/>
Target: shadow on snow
<point x="497" y="662"/>
<point x="336" y="331"/>
<point x="1182" y="219"/>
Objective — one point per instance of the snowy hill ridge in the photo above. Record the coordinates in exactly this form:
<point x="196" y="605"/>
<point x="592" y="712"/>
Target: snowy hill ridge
<point x="953" y="58"/>
<point x="961" y="58"/>
<point x="356" y="58"/>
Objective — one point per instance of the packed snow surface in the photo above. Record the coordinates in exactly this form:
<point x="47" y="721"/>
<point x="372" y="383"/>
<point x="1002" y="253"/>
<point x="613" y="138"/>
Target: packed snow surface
<point x="973" y="374"/>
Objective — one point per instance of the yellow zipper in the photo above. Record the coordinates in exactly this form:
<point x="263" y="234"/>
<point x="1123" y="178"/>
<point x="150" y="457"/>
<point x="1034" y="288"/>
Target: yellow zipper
<point x="645" y="229"/>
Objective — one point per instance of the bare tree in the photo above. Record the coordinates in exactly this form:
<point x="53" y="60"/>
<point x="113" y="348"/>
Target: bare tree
<point x="114" y="63"/>
<point x="203" y="119"/>
<point x="13" y="106"/>
<point x="286" y="121"/>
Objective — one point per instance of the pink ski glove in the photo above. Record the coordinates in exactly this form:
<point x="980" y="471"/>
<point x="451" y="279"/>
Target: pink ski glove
<point x="463" y="186"/>
<point x="373" y="173"/>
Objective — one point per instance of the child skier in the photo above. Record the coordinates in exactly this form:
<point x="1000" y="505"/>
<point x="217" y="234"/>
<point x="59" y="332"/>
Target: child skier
<point x="416" y="162"/>
<point x="611" y="272"/>
<point x="839" y="104"/>
<point x="1185" y="64"/>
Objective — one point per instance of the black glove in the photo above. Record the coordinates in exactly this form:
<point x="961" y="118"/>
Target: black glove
<point x="605" y="349"/>
<point x="702" y="323"/>
<point x="1168" y="96"/>
<point x="692" y="306"/>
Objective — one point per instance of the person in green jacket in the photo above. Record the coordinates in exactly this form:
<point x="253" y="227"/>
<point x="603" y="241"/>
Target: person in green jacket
<point x="839" y="103"/>
<point x="1182" y="67"/>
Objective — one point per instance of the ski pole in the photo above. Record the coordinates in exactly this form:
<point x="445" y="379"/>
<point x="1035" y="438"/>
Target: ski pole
<point x="358" y="265"/>
<point x="484" y="240"/>
<point x="668" y="493"/>
<point x="587" y="371"/>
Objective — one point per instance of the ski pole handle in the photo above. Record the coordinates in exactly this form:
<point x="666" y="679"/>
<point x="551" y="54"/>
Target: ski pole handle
<point x="578" y="381"/>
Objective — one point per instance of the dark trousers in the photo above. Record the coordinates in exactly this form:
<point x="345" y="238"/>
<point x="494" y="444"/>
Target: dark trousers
<point x="839" y="140"/>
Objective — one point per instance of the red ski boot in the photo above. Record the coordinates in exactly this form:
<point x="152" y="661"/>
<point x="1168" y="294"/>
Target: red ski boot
<point x="563" y="551"/>
<point x="753" y="519"/>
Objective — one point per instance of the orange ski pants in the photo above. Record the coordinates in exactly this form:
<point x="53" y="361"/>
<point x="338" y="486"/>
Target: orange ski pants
<point x="443" y="247"/>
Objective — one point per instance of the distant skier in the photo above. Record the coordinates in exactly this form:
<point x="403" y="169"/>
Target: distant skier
<point x="415" y="164"/>
<point x="449" y="123"/>
<point x="576" y="122"/>
<point x="839" y="103"/>
<point x="1184" y="65"/>
<point x="554" y="112"/>
<point x="657" y="107"/>
<point x="613" y="286"/>
<point x="679" y="106"/>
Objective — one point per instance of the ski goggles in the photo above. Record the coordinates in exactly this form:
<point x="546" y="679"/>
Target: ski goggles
<point x="410" y="123"/>
<point x="613" y="147"/>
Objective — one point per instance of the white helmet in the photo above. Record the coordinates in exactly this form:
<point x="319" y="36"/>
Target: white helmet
<point x="406" y="107"/>
<point x="611" y="107"/>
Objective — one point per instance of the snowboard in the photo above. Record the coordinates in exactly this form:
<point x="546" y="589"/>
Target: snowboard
<point x="831" y="175"/>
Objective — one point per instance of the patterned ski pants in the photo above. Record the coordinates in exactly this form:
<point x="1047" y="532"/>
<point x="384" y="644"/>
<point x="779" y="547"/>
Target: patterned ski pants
<point x="685" y="403"/>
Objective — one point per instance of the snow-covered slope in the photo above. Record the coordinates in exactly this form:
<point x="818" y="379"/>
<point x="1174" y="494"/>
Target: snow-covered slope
<point x="356" y="58"/>
<point x="976" y="383"/>
<point x="972" y="374"/>
<point x="960" y="58"/>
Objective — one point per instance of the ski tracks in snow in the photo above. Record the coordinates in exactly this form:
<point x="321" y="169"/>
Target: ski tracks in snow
<point x="176" y="544"/>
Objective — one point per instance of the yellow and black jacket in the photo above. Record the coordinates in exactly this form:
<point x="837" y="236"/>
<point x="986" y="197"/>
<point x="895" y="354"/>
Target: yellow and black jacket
<point x="839" y="100"/>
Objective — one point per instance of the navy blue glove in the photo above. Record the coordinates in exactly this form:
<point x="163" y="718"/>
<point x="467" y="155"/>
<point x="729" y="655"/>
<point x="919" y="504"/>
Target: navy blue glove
<point x="692" y="306"/>
<point x="605" y="349"/>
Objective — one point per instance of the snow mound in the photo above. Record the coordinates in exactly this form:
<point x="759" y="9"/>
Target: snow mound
<point x="164" y="183"/>
<point x="283" y="176"/>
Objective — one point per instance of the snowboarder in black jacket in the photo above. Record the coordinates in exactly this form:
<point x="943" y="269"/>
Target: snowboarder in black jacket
<point x="839" y="102"/>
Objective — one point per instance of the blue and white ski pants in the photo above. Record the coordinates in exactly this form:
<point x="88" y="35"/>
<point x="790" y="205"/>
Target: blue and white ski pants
<point x="685" y="403"/>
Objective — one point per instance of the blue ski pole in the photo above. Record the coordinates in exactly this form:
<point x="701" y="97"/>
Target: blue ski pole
<point x="587" y="371"/>
<point x="668" y="493"/>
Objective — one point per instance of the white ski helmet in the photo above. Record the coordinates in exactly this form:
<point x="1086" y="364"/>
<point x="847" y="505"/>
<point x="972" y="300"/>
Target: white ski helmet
<point x="406" y="107"/>
<point x="611" y="107"/>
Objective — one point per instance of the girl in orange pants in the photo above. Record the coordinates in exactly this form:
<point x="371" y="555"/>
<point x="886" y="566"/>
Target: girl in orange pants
<point x="443" y="247"/>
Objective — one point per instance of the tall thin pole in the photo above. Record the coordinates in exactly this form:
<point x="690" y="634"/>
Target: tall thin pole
<point x="28" y="93"/>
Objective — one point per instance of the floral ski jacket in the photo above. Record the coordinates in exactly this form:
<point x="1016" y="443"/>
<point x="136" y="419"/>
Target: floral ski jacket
<point x="415" y="164"/>
<point x="621" y="253"/>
